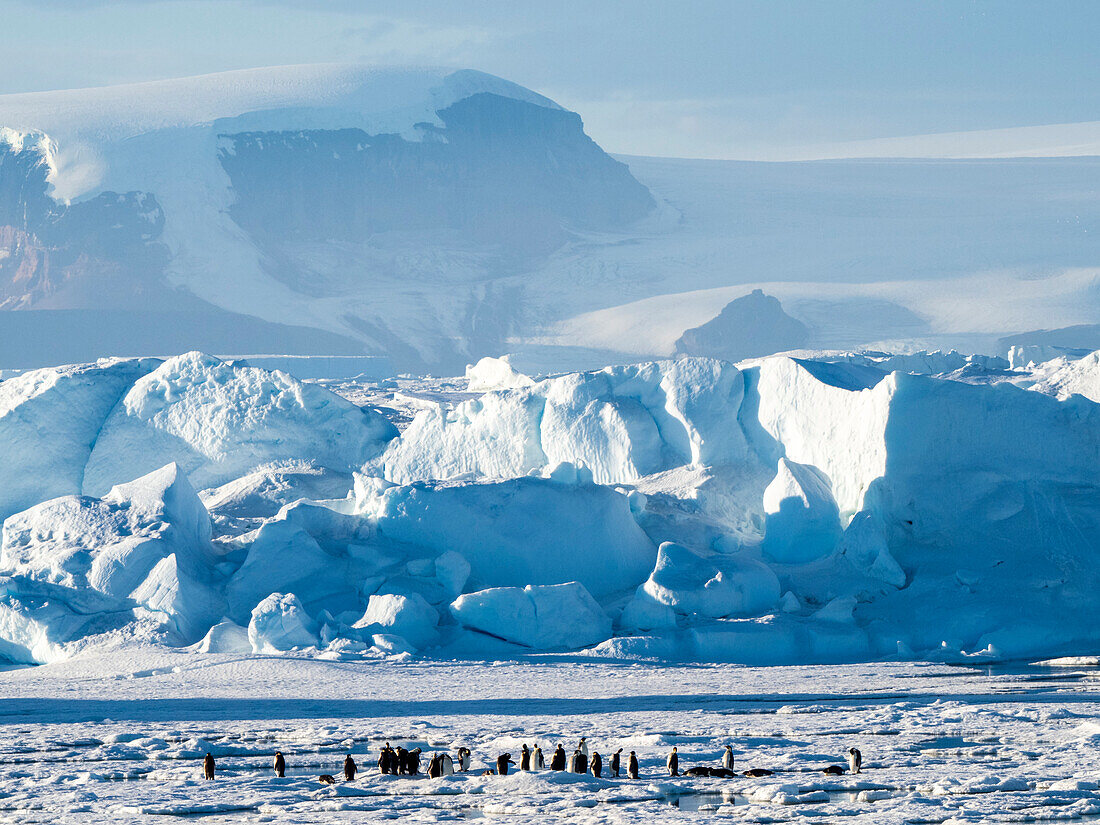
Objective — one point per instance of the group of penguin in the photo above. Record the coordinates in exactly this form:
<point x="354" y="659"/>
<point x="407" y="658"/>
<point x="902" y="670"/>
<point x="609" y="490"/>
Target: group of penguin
<point x="404" y="762"/>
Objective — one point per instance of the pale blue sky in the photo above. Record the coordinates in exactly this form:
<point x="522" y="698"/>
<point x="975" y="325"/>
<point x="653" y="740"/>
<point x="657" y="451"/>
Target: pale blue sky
<point x="702" y="78"/>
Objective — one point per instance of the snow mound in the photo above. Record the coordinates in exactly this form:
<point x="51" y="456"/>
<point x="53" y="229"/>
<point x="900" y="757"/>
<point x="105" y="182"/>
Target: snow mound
<point x="280" y="623"/>
<point x="219" y="422"/>
<point x="495" y="374"/>
<point x="49" y="422"/>
<point x="146" y="542"/>
<point x="621" y="423"/>
<point x="520" y="531"/>
<point x="261" y="494"/>
<point x="545" y="617"/>
<point x="1063" y="377"/>
<point x="686" y="583"/>
<point x="408" y="616"/>
<point x="226" y="637"/>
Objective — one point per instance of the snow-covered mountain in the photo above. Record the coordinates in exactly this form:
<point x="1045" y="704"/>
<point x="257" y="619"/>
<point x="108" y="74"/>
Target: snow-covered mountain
<point x="436" y="216"/>
<point x="376" y="204"/>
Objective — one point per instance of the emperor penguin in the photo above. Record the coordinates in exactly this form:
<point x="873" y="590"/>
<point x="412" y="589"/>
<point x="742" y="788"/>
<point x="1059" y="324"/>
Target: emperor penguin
<point x="582" y="762"/>
<point x="208" y="766"/>
<point x="446" y="764"/>
<point x="463" y="759"/>
<point x="524" y="758"/>
<point x="557" y="761"/>
<point x="632" y="766"/>
<point x="583" y="747"/>
<point x="673" y="763"/>
<point x="727" y="758"/>
<point x="280" y="764"/>
<point x="573" y="761"/>
<point x="615" y="763"/>
<point x="855" y="759"/>
<point x="537" y="762"/>
<point x="326" y="779"/>
<point x="402" y="761"/>
<point x="414" y="761"/>
<point x="596" y="764"/>
<point x="503" y="761"/>
<point x="434" y="770"/>
<point x="350" y="768"/>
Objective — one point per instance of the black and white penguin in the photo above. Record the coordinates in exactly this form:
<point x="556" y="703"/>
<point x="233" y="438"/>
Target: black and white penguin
<point x="756" y="772"/>
<point x="615" y="763"/>
<point x="503" y="761"/>
<point x="573" y="761"/>
<point x="446" y="765"/>
<point x="727" y="758"/>
<point x="208" y="766"/>
<point x="596" y="764"/>
<point x="326" y="779"/>
<point x="537" y="762"/>
<point x="414" y="762"/>
<point x="673" y="763"/>
<point x="464" y="759"/>
<point x="402" y="761"/>
<point x="434" y="771"/>
<point x="280" y="764"/>
<point x="350" y="768"/>
<point x="582" y="762"/>
<point x="855" y="759"/>
<point x="394" y="762"/>
<point x="557" y="761"/>
<point x="632" y="766"/>
<point x="583" y="746"/>
<point x="833" y="770"/>
<point x="524" y="758"/>
<point x="384" y="760"/>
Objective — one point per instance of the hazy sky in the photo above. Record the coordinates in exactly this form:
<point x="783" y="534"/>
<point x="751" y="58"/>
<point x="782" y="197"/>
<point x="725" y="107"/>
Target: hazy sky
<point x="701" y="78"/>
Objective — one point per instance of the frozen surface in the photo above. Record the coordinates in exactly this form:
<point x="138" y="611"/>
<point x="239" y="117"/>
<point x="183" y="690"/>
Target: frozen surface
<point x="121" y="738"/>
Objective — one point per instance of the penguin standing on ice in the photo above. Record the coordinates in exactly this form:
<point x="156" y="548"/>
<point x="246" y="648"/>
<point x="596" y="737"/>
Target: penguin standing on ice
<point x="208" y="766"/>
<point x="596" y="765"/>
<point x="414" y="761"/>
<point x="433" y="767"/>
<point x="463" y="759"/>
<point x="524" y="758"/>
<point x="632" y="766"/>
<point x="580" y="762"/>
<point x="447" y="765"/>
<point x="402" y="761"/>
<point x="350" y="768"/>
<point x="855" y="759"/>
<point x="537" y="762"/>
<point x="503" y="761"/>
<point x="727" y="758"/>
<point x="615" y="763"/>
<point x="673" y="763"/>
<point x="557" y="762"/>
<point x="583" y="747"/>
<point x="280" y="764"/>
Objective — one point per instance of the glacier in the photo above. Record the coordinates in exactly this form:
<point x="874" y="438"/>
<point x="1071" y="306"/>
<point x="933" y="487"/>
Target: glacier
<point x="826" y="508"/>
<point x="427" y="217"/>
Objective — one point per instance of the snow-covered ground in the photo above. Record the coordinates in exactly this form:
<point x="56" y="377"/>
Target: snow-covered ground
<point x="120" y="738"/>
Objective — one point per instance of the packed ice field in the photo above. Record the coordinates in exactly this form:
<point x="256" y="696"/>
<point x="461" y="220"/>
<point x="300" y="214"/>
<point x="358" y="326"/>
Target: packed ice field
<point x="121" y="738"/>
